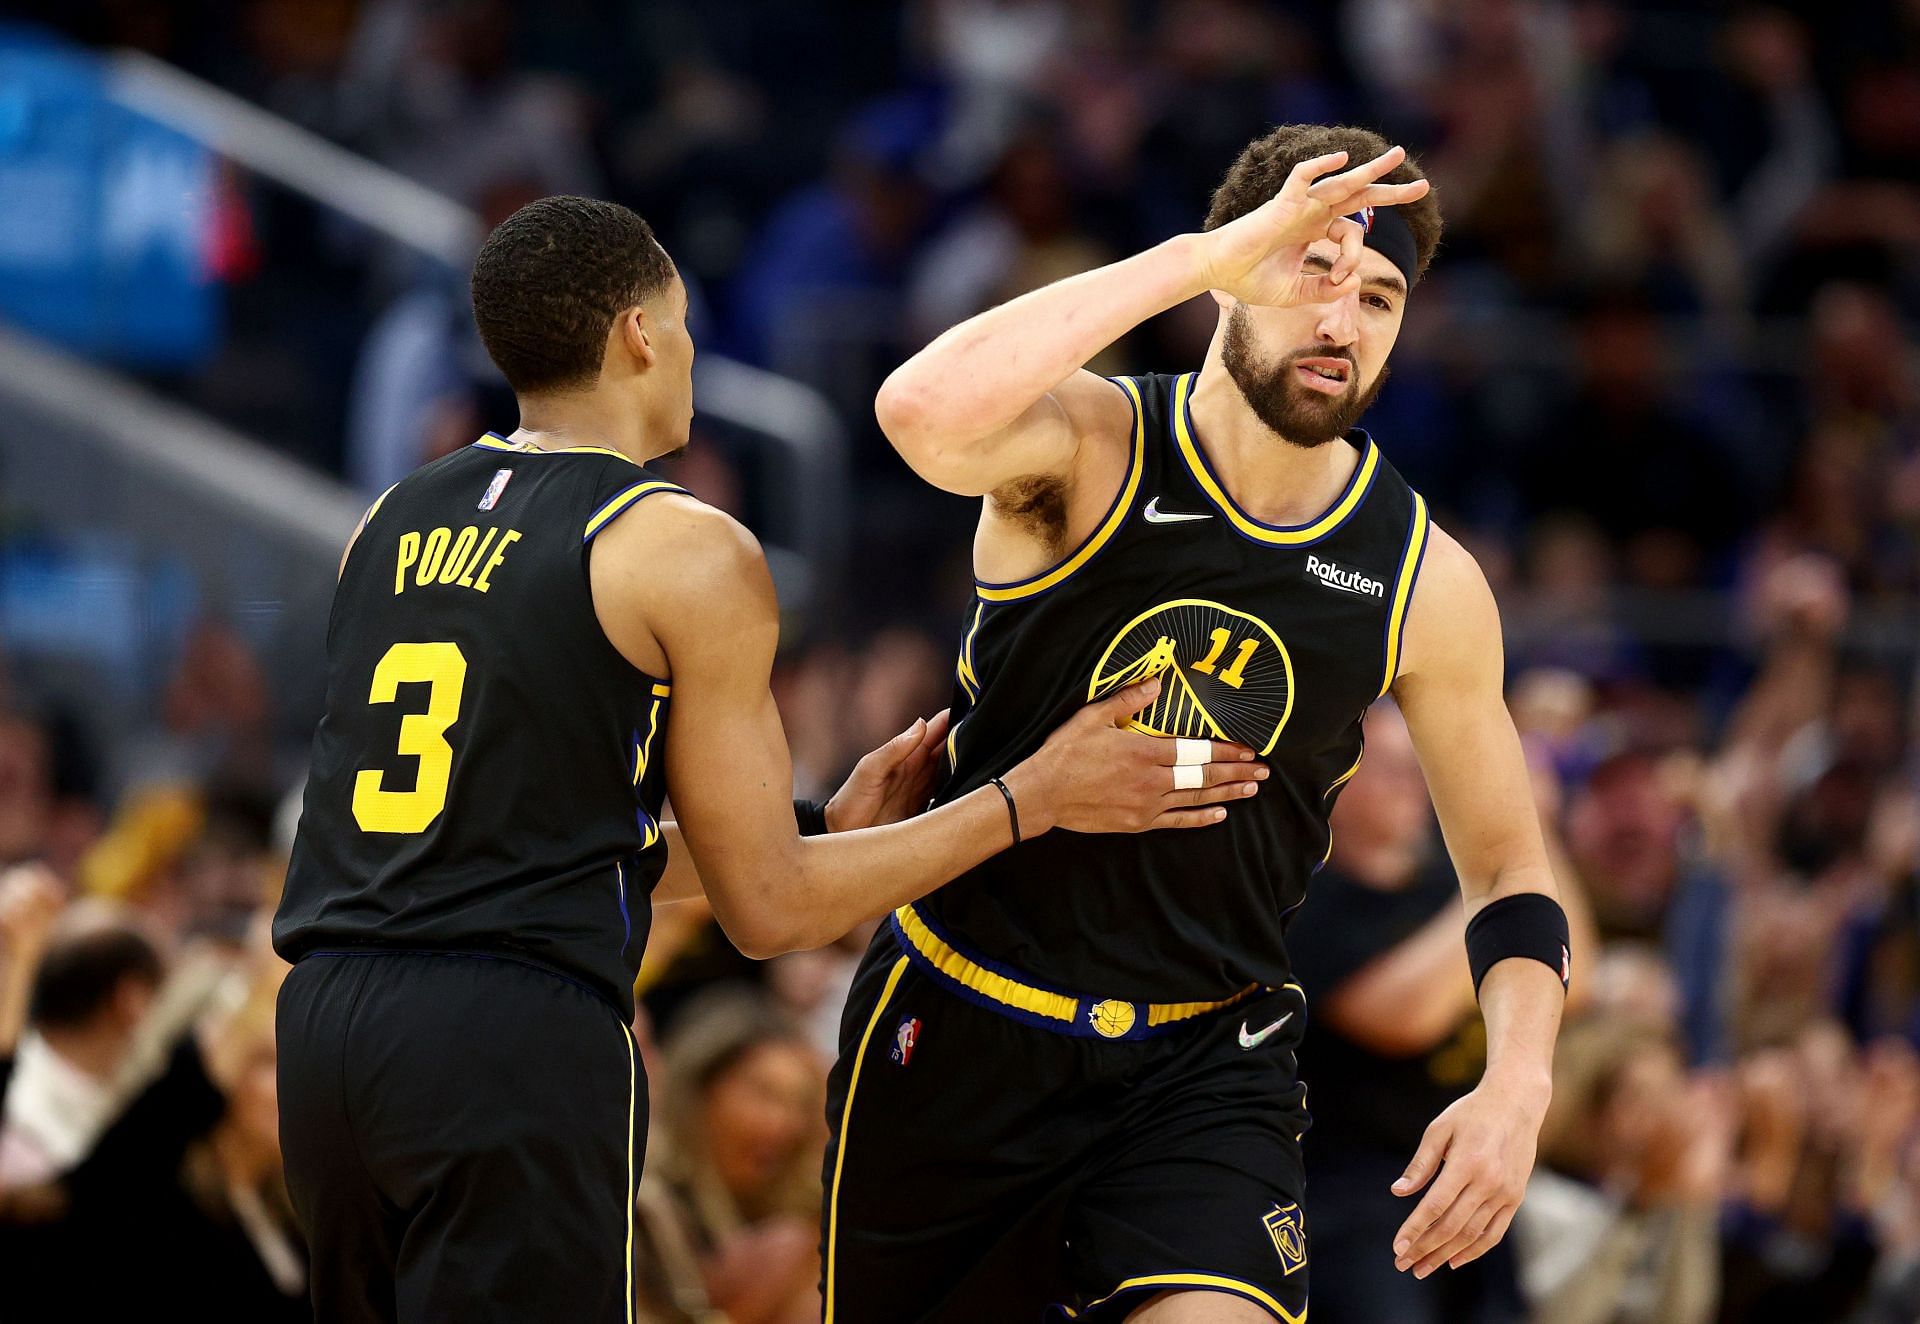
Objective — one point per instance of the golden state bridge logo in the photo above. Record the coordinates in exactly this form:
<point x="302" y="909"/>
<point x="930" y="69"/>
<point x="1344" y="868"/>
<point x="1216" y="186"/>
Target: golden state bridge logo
<point x="1225" y="675"/>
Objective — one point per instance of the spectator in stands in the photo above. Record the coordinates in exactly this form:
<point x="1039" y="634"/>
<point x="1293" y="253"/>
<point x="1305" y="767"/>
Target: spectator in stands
<point x="96" y="983"/>
<point x="1620" y="1221"/>
<point x="26" y="788"/>
<point x="185" y="1183"/>
<point x="30" y="902"/>
<point x="743" y="1112"/>
<point x="818" y="298"/>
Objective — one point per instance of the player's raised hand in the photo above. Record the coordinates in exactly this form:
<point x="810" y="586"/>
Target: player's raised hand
<point x="1259" y="258"/>
<point x="1097" y="774"/>
<point x="892" y="782"/>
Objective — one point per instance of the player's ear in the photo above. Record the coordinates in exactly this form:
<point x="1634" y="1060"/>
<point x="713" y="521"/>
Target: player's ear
<point x="631" y="330"/>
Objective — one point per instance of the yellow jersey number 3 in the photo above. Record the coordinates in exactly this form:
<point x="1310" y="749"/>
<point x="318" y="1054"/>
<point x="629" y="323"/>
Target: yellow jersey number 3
<point x="442" y="668"/>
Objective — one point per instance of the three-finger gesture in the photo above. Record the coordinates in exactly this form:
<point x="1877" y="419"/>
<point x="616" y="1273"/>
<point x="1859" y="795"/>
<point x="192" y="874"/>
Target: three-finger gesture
<point x="1260" y="258"/>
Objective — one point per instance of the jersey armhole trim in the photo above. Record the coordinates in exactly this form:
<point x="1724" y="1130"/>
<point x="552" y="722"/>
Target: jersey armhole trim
<point x="1109" y="524"/>
<point x="374" y="509"/>
<point x="1410" y="562"/>
<point x="615" y="507"/>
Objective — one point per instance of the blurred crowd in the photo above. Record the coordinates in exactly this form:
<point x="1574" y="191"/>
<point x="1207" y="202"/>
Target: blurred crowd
<point x="1662" y="381"/>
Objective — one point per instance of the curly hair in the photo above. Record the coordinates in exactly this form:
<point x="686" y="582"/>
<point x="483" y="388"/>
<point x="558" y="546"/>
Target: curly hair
<point x="549" y="281"/>
<point x="1262" y="168"/>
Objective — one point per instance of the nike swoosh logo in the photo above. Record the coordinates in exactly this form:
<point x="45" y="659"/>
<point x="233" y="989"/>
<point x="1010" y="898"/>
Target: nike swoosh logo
<point x="1259" y="1037"/>
<point x="1157" y="516"/>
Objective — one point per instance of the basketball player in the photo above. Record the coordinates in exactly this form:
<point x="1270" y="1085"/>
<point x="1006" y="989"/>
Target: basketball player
<point x="533" y="640"/>
<point x="1084" y="1094"/>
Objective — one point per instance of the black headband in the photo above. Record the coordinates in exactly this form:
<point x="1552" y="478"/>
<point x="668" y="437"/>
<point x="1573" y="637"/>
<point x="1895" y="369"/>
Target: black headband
<point x="1389" y="235"/>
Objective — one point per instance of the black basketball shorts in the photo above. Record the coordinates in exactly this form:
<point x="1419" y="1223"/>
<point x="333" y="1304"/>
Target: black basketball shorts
<point x="461" y="1137"/>
<point x="1009" y="1153"/>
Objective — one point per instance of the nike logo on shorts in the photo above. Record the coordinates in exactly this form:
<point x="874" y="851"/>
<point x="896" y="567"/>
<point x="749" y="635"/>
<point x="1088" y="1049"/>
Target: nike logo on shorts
<point x="1155" y="515"/>
<point x="1259" y="1037"/>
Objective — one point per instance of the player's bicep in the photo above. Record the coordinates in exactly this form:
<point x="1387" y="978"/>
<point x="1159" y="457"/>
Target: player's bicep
<point x="729" y="774"/>
<point x="1451" y="693"/>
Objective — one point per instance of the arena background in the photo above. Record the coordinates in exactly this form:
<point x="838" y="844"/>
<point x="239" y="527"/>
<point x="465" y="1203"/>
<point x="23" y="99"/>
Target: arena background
<point x="1662" y="381"/>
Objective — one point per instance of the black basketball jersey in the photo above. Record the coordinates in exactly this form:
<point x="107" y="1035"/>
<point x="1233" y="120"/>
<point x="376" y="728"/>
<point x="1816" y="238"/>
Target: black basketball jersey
<point x="487" y="778"/>
<point x="1278" y="638"/>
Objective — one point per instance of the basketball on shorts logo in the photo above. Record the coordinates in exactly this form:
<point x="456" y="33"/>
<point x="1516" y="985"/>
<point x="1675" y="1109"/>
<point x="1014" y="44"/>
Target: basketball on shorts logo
<point x="1224" y="675"/>
<point x="904" y="1039"/>
<point x="1289" y="1232"/>
<point x="1112" y="1018"/>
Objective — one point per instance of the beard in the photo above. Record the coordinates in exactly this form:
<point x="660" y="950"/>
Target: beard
<point x="1295" y="413"/>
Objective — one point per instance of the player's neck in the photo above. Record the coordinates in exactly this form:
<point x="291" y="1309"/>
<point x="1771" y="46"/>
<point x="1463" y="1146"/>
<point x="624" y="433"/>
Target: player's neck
<point x="1269" y="477"/>
<point x="584" y="418"/>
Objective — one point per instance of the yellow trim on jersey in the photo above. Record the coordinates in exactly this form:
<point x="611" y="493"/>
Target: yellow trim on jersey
<point x="1343" y="778"/>
<point x="1403" y="589"/>
<point x="1333" y="786"/>
<point x="374" y="509"/>
<point x="493" y="443"/>
<point x="607" y="513"/>
<point x="661" y="689"/>
<point x="968" y="680"/>
<point x="1285" y="537"/>
<point x="846" y="1122"/>
<point x="1010" y="992"/>
<point x="1212" y="1281"/>
<point x="1117" y="516"/>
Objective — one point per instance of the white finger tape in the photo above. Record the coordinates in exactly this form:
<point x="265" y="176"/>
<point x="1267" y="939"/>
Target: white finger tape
<point x="1186" y="777"/>
<point x="1191" y="753"/>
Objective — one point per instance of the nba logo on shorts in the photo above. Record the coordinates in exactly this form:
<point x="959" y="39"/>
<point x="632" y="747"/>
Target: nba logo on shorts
<point x="905" y="1038"/>
<point x="1289" y="1233"/>
<point x="495" y="488"/>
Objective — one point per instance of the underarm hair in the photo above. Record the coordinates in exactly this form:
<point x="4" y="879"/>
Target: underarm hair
<point x="1037" y="502"/>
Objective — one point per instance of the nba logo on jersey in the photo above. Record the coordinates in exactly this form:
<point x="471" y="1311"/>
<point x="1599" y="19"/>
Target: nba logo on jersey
<point x="1365" y="217"/>
<point x="904" y="1039"/>
<point x="495" y="488"/>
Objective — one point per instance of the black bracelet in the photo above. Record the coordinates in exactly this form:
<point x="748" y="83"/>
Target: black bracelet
<point x="810" y="817"/>
<point x="1013" y="811"/>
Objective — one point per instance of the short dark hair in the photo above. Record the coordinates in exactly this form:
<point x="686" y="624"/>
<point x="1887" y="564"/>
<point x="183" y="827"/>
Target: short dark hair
<point x="549" y="281"/>
<point x="80" y="974"/>
<point x="1263" y="166"/>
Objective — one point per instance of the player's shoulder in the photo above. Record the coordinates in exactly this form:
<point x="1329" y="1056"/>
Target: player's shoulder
<point x="685" y="544"/>
<point x="1453" y="620"/>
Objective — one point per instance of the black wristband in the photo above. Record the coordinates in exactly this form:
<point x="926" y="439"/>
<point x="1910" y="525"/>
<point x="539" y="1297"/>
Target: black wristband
<point x="1013" y="811"/>
<point x="1527" y="924"/>
<point x="810" y="817"/>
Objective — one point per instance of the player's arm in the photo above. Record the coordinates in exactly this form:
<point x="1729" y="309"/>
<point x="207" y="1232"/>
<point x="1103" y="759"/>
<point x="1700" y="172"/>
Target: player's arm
<point x="1476" y="1157"/>
<point x="887" y="784"/>
<point x="700" y="590"/>
<point x="1004" y="395"/>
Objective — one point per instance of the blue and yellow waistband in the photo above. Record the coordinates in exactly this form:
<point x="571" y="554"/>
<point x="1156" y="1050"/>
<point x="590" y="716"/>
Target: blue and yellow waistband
<point x="1014" y="996"/>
